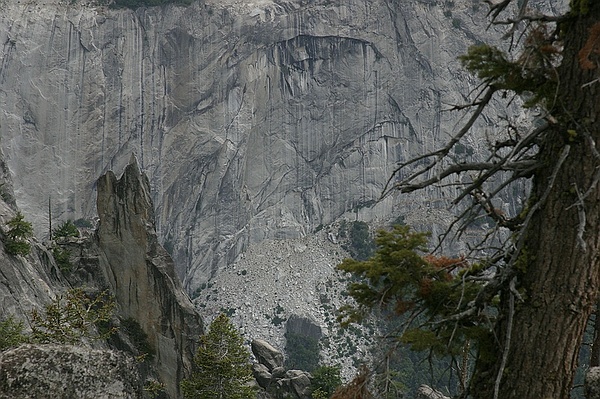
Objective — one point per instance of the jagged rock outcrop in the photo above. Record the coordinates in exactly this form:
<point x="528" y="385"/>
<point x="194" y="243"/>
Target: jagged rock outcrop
<point x="273" y="378"/>
<point x="53" y="371"/>
<point x="124" y="256"/>
<point x="254" y="120"/>
<point x="141" y="274"/>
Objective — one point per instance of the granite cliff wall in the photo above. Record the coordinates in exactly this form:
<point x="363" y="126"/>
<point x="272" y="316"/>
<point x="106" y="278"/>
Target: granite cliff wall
<point x="253" y="120"/>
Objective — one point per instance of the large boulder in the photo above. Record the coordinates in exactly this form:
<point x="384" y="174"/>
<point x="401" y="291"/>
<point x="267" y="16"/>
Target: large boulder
<point x="266" y="354"/>
<point x="262" y="375"/>
<point x="61" y="371"/>
<point x="301" y="385"/>
<point x="303" y="326"/>
<point x="272" y="376"/>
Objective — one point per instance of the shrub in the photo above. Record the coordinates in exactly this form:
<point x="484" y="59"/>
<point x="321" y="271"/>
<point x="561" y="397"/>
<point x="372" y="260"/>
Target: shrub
<point x="302" y="352"/>
<point x="71" y="317"/>
<point x="62" y="257"/>
<point x="22" y="248"/>
<point x="65" y="230"/>
<point x="154" y="388"/>
<point x="11" y="333"/>
<point x="362" y="244"/>
<point x="326" y="379"/>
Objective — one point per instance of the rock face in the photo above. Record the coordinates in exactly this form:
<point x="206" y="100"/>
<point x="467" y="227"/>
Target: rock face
<point x="254" y="120"/>
<point x="26" y="282"/>
<point x="142" y="276"/>
<point x="123" y="255"/>
<point x="52" y="371"/>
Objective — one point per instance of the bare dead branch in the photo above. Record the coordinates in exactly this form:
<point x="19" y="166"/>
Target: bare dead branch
<point x="490" y="167"/>
<point x="496" y="8"/>
<point x="442" y="152"/>
<point x="530" y="18"/>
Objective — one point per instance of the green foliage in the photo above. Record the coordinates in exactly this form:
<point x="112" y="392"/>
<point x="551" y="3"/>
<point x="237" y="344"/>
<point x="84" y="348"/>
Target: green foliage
<point x="72" y="317"/>
<point x="326" y="379"/>
<point x="65" y="230"/>
<point x="19" y="231"/>
<point x="11" y="333"/>
<point x="222" y="367"/>
<point x="579" y="7"/>
<point x="62" y="257"/>
<point x="361" y="245"/>
<point x="302" y="352"/>
<point x="138" y="337"/>
<point x="22" y="248"/>
<point x="532" y="75"/>
<point x="395" y="269"/>
<point x="491" y="65"/>
<point x="399" y="278"/>
<point x="154" y="388"/>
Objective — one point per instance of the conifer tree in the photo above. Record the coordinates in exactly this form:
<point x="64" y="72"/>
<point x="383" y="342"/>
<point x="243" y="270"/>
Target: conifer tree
<point x="541" y="284"/>
<point x="222" y="367"/>
<point x="19" y="231"/>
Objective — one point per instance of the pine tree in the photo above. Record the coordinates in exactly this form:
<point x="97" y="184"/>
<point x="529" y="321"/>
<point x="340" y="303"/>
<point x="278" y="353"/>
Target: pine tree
<point x="222" y="368"/>
<point x="19" y="231"/>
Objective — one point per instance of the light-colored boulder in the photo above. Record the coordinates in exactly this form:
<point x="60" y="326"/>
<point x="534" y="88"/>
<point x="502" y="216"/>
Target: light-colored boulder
<point x="59" y="371"/>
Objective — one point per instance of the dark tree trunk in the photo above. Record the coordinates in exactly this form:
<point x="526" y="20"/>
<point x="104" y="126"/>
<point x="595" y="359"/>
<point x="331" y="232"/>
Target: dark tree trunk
<point x="558" y="276"/>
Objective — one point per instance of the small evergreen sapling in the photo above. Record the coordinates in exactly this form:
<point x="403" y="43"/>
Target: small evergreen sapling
<point x="65" y="230"/>
<point x="19" y="231"/>
<point x="11" y="333"/>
